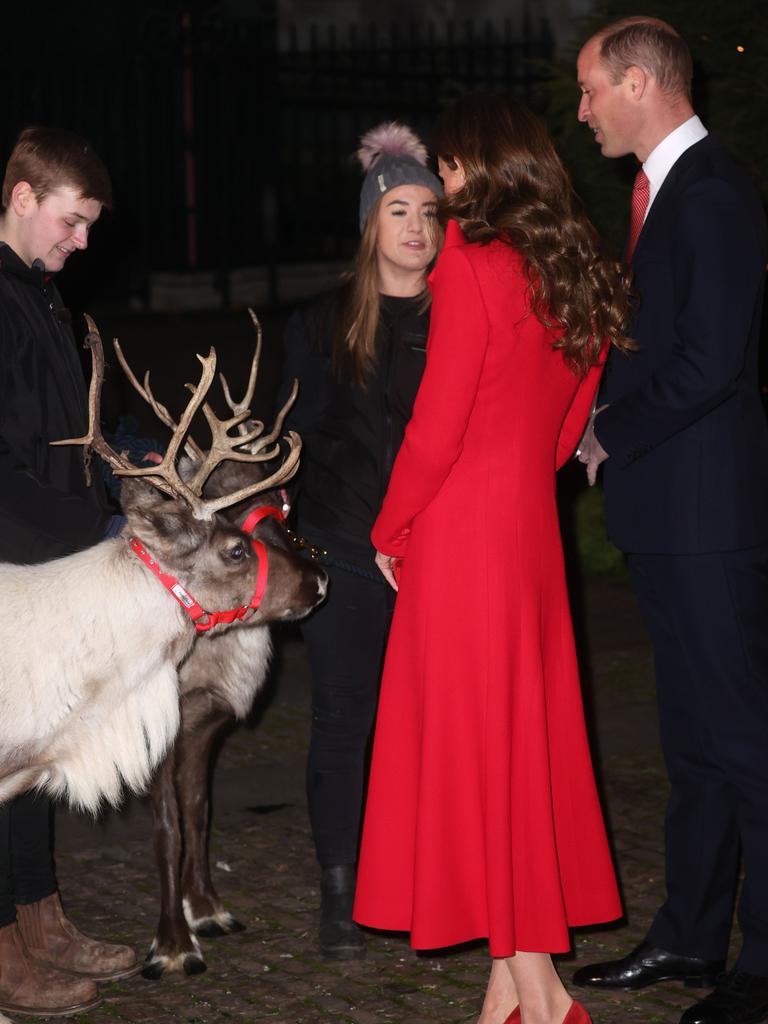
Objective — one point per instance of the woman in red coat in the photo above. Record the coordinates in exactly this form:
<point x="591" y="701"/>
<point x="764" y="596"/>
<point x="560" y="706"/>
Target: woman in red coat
<point x="482" y="817"/>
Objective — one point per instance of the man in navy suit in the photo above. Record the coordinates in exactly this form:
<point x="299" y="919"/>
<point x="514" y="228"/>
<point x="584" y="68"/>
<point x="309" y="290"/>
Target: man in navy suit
<point x="683" y="438"/>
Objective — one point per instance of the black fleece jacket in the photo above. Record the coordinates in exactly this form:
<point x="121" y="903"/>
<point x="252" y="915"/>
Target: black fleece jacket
<point x="351" y="434"/>
<point x="46" y="508"/>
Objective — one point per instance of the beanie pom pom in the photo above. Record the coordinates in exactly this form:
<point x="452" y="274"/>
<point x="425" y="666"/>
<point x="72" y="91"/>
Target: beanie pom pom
<point x="390" y="139"/>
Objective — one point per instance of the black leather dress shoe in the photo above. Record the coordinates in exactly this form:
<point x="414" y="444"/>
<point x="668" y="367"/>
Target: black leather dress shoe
<point x="738" y="998"/>
<point x="647" y="965"/>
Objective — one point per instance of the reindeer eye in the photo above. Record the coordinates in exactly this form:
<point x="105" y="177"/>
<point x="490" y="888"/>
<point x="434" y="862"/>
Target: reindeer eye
<point x="237" y="552"/>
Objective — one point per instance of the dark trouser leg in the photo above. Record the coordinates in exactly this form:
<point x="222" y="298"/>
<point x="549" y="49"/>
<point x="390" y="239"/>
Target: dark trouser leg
<point x="7" y="902"/>
<point x="26" y="863"/>
<point x="706" y="615"/>
<point x="345" y="640"/>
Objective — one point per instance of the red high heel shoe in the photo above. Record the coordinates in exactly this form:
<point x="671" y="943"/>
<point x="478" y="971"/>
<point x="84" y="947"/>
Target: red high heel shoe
<point x="576" y="1015"/>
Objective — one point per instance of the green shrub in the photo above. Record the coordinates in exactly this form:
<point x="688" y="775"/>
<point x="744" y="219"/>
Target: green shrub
<point x="597" y="556"/>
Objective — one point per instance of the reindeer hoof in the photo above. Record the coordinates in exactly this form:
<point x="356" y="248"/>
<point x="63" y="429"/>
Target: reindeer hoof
<point x="210" y="930"/>
<point x="153" y="970"/>
<point x="157" y="964"/>
<point x="213" y="929"/>
<point x="194" y="964"/>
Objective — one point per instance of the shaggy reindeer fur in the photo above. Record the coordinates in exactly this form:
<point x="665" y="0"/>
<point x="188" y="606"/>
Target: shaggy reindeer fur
<point x="91" y="645"/>
<point x="88" y="675"/>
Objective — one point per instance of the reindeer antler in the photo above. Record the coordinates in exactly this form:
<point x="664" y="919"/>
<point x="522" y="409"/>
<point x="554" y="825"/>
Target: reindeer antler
<point x="193" y="450"/>
<point x="165" y="476"/>
<point x="252" y="441"/>
<point x="245" y="403"/>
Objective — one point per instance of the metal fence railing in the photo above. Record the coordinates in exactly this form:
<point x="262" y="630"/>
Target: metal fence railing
<point x="229" y="143"/>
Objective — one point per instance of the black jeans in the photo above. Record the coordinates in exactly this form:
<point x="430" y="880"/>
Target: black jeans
<point x="345" y="640"/>
<point x="26" y="862"/>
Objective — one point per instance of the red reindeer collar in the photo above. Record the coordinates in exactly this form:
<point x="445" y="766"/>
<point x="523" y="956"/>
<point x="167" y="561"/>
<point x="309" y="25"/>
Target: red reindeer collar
<point x="202" y="619"/>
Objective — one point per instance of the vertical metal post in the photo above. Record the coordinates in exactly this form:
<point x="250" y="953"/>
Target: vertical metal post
<point x="188" y="125"/>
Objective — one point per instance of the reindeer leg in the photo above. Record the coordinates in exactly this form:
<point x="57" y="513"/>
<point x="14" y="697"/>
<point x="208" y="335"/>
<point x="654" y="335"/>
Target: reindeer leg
<point x="203" y="909"/>
<point x="174" y="948"/>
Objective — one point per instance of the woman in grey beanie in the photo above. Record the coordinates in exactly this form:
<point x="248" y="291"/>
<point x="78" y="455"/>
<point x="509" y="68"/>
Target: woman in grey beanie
<point x="358" y="354"/>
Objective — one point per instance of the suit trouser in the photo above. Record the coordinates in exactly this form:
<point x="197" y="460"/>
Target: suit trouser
<point x="26" y="862"/>
<point x="345" y="640"/>
<point x="708" y="620"/>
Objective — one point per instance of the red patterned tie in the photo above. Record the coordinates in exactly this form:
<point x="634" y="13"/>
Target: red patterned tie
<point x="641" y="193"/>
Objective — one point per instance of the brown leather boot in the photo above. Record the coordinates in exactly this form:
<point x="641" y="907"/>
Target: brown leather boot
<point x="52" y="939"/>
<point x="27" y="986"/>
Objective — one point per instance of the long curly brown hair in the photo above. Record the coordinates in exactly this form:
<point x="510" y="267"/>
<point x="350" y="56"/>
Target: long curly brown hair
<point x="517" y="190"/>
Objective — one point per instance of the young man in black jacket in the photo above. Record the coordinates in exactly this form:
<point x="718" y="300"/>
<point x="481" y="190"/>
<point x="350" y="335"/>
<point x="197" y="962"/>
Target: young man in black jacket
<point x="54" y="190"/>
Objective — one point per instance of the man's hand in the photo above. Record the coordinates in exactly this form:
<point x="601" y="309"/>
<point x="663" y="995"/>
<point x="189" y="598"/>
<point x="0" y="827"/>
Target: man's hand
<point x="590" y="451"/>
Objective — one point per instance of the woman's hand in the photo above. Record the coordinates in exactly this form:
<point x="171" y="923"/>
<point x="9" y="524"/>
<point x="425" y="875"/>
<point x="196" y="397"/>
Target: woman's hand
<point x="387" y="566"/>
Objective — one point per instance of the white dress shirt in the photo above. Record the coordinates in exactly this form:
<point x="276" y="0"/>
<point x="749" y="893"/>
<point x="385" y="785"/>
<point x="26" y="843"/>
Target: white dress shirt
<point x="668" y="152"/>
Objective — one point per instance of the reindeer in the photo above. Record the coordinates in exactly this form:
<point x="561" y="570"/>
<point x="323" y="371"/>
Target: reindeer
<point x="219" y="681"/>
<point x="92" y="642"/>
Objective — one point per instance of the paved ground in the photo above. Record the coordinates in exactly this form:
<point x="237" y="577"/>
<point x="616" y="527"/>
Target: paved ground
<point x="266" y="873"/>
<point x="264" y="861"/>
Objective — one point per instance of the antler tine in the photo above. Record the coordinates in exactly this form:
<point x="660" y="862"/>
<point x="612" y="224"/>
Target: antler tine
<point x="157" y="407"/>
<point x="198" y="398"/>
<point x="94" y="441"/>
<point x="223" y="447"/>
<point x="255" y="443"/>
<point x="280" y="476"/>
<point x="250" y="447"/>
<point x="165" y="475"/>
<point x="245" y="403"/>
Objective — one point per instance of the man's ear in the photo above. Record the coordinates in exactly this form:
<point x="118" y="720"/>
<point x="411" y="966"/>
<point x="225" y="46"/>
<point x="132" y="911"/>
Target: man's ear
<point x="23" y="198"/>
<point x="636" y="80"/>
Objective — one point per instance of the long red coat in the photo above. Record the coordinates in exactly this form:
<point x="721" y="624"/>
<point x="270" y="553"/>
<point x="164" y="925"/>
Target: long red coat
<point x="482" y="817"/>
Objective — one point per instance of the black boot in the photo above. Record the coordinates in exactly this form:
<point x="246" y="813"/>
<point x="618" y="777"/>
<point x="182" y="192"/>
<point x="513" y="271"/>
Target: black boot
<point x="340" y="938"/>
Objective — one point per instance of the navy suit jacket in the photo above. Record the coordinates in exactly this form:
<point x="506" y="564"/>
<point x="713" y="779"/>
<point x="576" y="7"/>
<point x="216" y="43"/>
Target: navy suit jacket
<point x="685" y="430"/>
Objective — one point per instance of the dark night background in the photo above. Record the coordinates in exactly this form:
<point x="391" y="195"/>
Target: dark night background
<point x="228" y="129"/>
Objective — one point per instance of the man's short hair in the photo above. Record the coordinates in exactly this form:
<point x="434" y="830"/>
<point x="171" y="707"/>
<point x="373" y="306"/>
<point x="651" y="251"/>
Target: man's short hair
<point x="650" y="44"/>
<point x="51" y="158"/>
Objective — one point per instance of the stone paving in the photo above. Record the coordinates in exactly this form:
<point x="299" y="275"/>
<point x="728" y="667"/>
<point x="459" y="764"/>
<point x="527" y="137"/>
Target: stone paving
<point x="266" y="873"/>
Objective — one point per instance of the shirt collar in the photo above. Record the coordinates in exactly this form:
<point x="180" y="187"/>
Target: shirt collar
<point x="661" y="160"/>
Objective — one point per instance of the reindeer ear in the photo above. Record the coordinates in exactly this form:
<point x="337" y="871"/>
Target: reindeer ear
<point x="151" y="516"/>
<point x="136" y="495"/>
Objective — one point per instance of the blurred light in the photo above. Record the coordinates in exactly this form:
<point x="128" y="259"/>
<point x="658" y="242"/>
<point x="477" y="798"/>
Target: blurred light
<point x="740" y="49"/>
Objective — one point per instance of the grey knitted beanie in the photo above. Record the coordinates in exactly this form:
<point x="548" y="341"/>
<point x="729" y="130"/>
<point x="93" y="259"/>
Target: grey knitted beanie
<point x="392" y="155"/>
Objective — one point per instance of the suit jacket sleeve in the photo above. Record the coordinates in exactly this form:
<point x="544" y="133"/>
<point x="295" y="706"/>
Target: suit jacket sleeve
<point x="456" y="346"/>
<point x="576" y="418"/>
<point x="716" y="262"/>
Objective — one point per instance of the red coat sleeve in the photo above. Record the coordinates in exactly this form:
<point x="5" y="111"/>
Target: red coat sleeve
<point x="458" y="338"/>
<point x="578" y="413"/>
